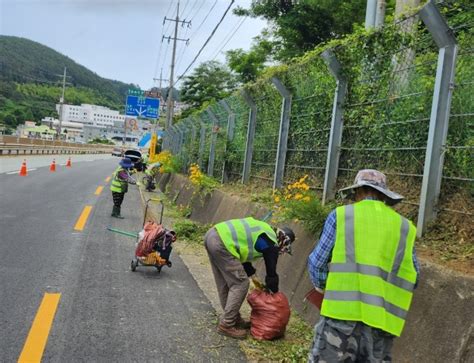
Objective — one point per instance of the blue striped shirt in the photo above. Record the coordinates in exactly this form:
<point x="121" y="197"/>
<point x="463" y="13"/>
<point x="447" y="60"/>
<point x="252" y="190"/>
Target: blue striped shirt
<point x="318" y="260"/>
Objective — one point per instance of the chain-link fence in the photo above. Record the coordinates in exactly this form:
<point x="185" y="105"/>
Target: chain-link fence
<point x="377" y="100"/>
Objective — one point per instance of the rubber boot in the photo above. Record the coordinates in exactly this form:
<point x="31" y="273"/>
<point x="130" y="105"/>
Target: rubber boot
<point x="118" y="213"/>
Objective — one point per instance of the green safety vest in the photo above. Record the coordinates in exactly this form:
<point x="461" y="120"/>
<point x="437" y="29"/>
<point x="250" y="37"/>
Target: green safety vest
<point x="118" y="185"/>
<point x="240" y="235"/>
<point x="371" y="274"/>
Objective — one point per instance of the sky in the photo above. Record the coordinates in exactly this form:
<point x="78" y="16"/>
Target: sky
<point x="122" y="39"/>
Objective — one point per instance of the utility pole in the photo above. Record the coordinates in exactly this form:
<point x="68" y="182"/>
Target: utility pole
<point x="160" y="79"/>
<point x="61" y="103"/>
<point x="161" y="94"/>
<point x="169" y="103"/>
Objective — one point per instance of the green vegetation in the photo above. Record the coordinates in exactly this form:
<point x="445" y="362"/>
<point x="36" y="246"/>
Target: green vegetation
<point x="98" y="140"/>
<point x="190" y="231"/>
<point x="209" y="81"/>
<point x="30" y="83"/>
<point x="294" y="347"/>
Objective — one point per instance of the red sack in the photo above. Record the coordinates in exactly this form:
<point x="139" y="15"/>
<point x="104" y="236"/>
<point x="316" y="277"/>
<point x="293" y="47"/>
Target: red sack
<point x="270" y="314"/>
<point x="152" y="232"/>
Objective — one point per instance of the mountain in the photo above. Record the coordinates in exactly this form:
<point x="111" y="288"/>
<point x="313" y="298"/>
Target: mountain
<point x="30" y="82"/>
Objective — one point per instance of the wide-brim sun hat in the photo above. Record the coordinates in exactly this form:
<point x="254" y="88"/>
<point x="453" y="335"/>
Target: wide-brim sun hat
<point x="126" y="163"/>
<point x="374" y="179"/>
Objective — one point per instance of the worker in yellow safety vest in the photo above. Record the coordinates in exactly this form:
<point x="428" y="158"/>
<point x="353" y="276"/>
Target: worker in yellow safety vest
<point x="366" y="267"/>
<point x="232" y="246"/>
<point x="119" y="186"/>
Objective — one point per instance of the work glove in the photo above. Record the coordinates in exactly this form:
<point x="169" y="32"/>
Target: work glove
<point x="249" y="269"/>
<point x="272" y="283"/>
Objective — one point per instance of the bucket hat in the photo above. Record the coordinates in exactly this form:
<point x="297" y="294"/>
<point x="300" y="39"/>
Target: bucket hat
<point x="373" y="179"/>
<point x="126" y="163"/>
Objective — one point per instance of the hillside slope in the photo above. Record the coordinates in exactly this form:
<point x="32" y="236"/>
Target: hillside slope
<point x="30" y="82"/>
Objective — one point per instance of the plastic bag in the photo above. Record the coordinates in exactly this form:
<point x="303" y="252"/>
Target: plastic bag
<point x="152" y="232"/>
<point x="270" y="314"/>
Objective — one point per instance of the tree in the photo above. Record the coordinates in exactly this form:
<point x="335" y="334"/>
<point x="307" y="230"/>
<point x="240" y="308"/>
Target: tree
<point x="298" y="26"/>
<point x="209" y="81"/>
<point x="249" y="65"/>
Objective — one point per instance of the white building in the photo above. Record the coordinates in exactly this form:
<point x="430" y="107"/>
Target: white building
<point x="90" y="114"/>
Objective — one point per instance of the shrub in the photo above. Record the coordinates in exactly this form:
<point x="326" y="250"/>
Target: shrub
<point x="298" y="203"/>
<point x="205" y="184"/>
<point x="169" y="162"/>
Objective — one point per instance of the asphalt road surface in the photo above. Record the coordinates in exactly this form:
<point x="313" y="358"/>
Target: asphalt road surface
<point x="68" y="295"/>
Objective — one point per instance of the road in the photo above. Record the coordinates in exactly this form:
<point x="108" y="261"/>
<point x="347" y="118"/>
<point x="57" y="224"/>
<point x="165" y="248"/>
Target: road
<point x="99" y="310"/>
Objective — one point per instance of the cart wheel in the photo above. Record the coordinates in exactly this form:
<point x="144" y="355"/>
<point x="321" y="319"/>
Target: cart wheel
<point x="133" y="266"/>
<point x="169" y="264"/>
<point x="158" y="268"/>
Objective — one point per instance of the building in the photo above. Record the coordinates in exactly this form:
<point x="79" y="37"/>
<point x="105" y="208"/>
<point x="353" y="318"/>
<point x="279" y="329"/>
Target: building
<point x="100" y="122"/>
<point x="72" y="130"/>
<point x="90" y="114"/>
<point x="30" y="130"/>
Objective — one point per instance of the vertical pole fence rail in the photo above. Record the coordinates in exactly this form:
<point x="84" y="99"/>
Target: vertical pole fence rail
<point x="212" y="146"/>
<point x="250" y="136"/>
<point x="283" y="133"/>
<point x="182" y="130"/>
<point x="335" y="136"/>
<point x="440" y="111"/>
<point x="202" y="142"/>
<point x="229" y="137"/>
<point x="189" y="143"/>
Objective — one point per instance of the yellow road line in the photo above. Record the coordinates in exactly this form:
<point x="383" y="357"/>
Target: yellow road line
<point x="81" y="222"/>
<point x="39" y="332"/>
<point x="107" y="179"/>
<point x="99" y="190"/>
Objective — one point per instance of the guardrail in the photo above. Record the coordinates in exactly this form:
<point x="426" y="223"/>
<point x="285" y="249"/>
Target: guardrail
<point x="13" y="145"/>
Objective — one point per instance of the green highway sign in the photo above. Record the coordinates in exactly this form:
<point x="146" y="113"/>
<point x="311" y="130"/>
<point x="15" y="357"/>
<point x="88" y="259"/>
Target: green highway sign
<point x="135" y="92"/>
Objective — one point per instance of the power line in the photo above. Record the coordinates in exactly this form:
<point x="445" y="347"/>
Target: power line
<point x="208" y="39"/>
<point x="161" y="43"/>
<point x="200" y="25"/>
<point x="183" y="49"/>
<point x="184" y="9"/>
<point x="232" y="33"/>
<point x="192" y="9"/>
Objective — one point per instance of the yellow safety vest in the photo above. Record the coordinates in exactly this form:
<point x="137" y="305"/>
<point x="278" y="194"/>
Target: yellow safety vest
<point x="118" y="185"/>
<point x="371" y="274"/>
<point x="240" y="235"/>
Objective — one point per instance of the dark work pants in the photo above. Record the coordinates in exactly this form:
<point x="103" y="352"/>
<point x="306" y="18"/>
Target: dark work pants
<point x="118" y="198"/>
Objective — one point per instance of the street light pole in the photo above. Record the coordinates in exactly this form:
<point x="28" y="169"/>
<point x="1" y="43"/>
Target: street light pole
<point x="61" y="104"/>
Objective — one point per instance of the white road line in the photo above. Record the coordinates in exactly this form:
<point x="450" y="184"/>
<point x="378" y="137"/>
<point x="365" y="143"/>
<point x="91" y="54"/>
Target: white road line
<point x="16" y="172"/>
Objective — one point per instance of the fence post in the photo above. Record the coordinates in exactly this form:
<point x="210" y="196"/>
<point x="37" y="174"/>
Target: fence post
<point x="202" y="142"/>
<point x="229" y="137"/>
<point x="250" y="136"/>
<point x="212" y="147"/>
<point x="440" y="110"/>
<point x="283" y="133"/>
<point x="180" y="137"/>
<point x="172" y="139"/>
<point x="335" y="136"/>
<point x="166" y="138"/>
<point x="370" y="14"/>
<point x="193" y="140"/>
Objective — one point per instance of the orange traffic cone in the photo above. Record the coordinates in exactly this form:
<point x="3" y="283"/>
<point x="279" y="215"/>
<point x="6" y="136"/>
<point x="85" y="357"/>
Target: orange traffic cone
<point x="68" y="163"/>
<point x="53" y="166"/>
<point x="23" y="170"/>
